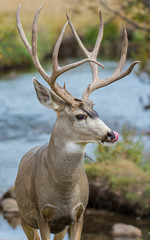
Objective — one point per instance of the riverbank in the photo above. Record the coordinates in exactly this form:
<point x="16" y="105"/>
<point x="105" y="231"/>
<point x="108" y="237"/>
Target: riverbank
<point x="120" y="187"/>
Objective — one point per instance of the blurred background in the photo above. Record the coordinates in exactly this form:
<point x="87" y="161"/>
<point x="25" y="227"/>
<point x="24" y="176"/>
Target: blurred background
<point x="119" y="177"/>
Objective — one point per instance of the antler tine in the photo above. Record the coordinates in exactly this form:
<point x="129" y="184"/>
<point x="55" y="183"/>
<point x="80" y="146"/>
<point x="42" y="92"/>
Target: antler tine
<point x="94" y="53"/>
<point x="56" y="49"/>
<point x="91" y="55"/>
<point x="22" y="34"/>
<point x="99" y="36"/>
<point x="34" y="46"/>
<point x="117" y="74"/>
<point x="107" y="81"/>
<point x="34" y="31"/>
<point x="123" y="51"/>
<point x="85" y="51"/>
<point x="32" y="50"/>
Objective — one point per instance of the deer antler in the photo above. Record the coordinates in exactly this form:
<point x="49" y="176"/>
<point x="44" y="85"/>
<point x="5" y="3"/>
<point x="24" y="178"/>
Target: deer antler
<point x="57" y="70"/>
<point x="97" y="83"/>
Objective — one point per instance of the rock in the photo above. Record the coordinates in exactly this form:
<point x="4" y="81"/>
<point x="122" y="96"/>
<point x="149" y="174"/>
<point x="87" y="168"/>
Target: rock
<point x="120" y="230"/>
<point x="9" y="205"/>
<point x="13" y="219"/>
<point x="10" y="193"/>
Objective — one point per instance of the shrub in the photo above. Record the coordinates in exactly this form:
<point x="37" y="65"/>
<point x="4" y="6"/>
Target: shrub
<point x="11" y="45"/>
<point x="128" y="148"/>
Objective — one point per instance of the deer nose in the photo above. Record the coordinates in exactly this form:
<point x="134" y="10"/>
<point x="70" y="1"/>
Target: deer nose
<point x="111" y="136"/>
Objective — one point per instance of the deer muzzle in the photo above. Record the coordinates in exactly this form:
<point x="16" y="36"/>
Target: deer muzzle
<point x="112" y="136"/>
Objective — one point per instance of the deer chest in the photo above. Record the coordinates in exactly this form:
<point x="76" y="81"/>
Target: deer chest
<point x="59" y="224"/>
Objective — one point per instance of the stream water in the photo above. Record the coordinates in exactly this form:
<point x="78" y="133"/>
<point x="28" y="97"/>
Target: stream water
<point x="24" y="123"/>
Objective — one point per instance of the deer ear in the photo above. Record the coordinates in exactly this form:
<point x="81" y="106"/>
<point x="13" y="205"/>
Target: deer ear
<point x="46" y="97"/>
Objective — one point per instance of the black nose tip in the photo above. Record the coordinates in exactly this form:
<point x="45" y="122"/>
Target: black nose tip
<point x="111" y="135"/>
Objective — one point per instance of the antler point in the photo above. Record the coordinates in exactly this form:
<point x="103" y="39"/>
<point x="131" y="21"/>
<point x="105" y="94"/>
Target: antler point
<point x="34" y="80"/>
<point x="67" y="16"/>
<point x="39" y="9"/>
<point x="18" y="9"/>
<point x="136" y="62"/>
<point x="100" y="16"/>
<point x="124" y="29"/>
<point x="64" y="85"/>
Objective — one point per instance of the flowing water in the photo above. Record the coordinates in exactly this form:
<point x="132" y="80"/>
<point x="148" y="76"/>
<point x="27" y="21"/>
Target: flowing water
<point x="24" y="123"/>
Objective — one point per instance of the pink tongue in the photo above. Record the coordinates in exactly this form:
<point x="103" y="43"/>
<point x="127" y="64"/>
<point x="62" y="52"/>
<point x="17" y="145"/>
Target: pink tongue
<point x="116" y="136"/>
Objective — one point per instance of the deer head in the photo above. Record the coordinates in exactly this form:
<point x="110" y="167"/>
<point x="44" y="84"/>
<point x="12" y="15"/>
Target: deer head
<point x="77" y="115"/>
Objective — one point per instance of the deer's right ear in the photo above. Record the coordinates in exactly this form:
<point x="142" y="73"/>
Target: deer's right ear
<point x="46" y="97"/>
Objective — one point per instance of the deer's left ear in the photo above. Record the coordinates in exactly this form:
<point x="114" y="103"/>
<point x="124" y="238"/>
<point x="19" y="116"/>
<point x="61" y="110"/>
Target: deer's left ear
<point x="46" y="97"/>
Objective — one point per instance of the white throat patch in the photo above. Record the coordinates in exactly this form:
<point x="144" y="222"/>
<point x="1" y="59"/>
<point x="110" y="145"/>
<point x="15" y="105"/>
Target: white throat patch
<point x="72" y="147"/>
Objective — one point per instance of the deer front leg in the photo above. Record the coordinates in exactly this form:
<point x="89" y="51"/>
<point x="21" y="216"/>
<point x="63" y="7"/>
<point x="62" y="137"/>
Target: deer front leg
<point x="44" y="229"/>
<point x="60" y="236"/>
<point x="46" y="215"/>
<point x="31" y="233"/>
<point x="76" y="230"/>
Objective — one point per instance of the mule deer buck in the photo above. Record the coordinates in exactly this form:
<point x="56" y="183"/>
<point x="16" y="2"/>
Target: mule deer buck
<point x="51" y="185"/>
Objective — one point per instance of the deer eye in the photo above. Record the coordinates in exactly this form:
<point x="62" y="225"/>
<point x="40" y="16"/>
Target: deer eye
<point x="80" y="117"/>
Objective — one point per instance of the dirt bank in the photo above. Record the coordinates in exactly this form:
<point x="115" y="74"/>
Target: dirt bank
<point x="119" y="186"/>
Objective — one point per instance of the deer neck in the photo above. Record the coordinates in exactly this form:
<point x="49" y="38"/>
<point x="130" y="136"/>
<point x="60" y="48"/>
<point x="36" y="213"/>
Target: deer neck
<point x="65" y="155"/>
